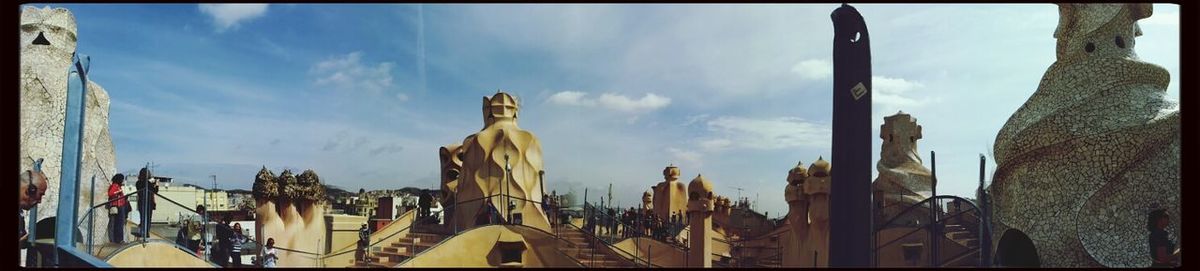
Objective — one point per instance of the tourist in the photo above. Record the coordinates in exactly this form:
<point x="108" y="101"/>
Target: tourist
<point x="613" y="226"/>
<point x="235" y="250"/>
<point x="183" y="236"/>
<point x="483" y="216"/>
<point x="200" y="231"/>
<point x="546" y="207"/>
<point x="146" y="191"/>
<point x="32" y="188"/>
<point x="225" y="236"/>
<point x="364" y="243"/>
<point x="269" y="256"/>
<point x="118" y="207"/>
<point x="1162" y="249"/>
<point x="423" y="202"/>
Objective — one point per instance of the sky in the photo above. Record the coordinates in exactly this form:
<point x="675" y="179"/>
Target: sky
<point x="366" y="94"/>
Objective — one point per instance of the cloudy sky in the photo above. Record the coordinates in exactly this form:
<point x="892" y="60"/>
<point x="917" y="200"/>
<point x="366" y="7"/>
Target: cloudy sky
<point x="365" y="94"/>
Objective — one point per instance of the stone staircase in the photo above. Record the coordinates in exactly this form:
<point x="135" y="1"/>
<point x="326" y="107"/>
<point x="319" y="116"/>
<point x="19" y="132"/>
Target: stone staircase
<point x="585" y="253"/>
<point x="401" y="250"/>
<point x="966" y="238"/>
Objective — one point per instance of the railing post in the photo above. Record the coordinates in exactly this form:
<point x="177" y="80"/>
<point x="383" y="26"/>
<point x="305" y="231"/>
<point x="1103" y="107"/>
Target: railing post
<point x="72" y="155"/>
<point x="934" y="233"/>
<point x="31" y="252"/>
<point x="91" y="217"/>
<point x="648" y="251"/>
<point x="985" y="234"/>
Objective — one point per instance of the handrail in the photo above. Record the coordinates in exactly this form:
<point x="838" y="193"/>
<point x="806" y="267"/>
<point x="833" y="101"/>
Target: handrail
<point x="454" y="233"/>
<point x="464" y="231"/>
<point x="612" y="246"/>
<point x="964" y="253"/>
<point x="923" y="202"/>
<point x="760" y="237"/>
<point x="296" y="251"/>
<point x="553" y="223"/>
<point x="126" y="196"/>
<point x="406" y="229"/>
<point x="89" y="212"/>
<point x="916" y="229"/>
<point x="638" y="230"/>
<point x="136" y="243"/>
<point x="933" y="204"/>
<point x="897" y="239"/>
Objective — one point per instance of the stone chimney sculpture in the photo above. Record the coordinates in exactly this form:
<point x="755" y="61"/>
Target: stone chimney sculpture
<point x="1093" y="150"/>
<point x="670" y="195"/>
<point x="485" y="169"/>
<point x="699" y="211"/>
<point x="903" y="180"/>
<point x="47" y="43"/>
<point x="797" y="217"/>
<point x="816" y="188"/>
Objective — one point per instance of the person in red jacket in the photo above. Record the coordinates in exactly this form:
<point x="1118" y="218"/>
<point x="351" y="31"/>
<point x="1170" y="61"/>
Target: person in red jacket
<point x="118" y="209"/>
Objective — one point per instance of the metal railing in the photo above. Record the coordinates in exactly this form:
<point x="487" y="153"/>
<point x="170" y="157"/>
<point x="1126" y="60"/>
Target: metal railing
<point x="610" y="237"/>
<point x="934" y="205"/>
<point x="493" y="219"/>
<point x="595" y="241"/>
<point x="144" y="237"/>
<point x="92" y="227"/>
<point x="406" y="229"/>
<point x="466" y="230"/>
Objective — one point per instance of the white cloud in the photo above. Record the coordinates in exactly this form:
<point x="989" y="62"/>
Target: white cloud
<point x="686" y="158"/>
<point x="617" y="102"/>
<point x="814" y="69"/>
<point x="226" y="16"/>
<point x="715" y="144"/>
<point x="574" y="98"/>
<point x="648" y="102"/>
<point x="767" y="134"/>
<point x="348" y="73"/>
<point x="894" y="93"/>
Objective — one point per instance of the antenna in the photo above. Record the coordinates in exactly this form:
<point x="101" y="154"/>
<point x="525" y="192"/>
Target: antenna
<point x="739" y="189"/>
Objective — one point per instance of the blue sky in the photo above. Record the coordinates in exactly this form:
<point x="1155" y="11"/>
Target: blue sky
<point x="365" y="94"/>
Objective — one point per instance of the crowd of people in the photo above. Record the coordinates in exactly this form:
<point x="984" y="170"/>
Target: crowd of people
<point x="615" y="223"/>
<point x="224" y="246"/>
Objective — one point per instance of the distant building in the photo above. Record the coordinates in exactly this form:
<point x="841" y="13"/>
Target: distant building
<point x="171" y="196"/>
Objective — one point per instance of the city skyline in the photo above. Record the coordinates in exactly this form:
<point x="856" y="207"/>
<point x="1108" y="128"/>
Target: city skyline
<point x="365" y="94"/>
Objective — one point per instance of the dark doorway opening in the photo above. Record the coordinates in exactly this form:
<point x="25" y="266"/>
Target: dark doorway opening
<point x="1015" y="249"/>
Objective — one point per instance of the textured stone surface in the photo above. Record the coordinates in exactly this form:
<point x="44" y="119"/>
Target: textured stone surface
<point x="1094" y="150"/>
<point x="484" y="166"/>
<point x="43" y="107"/>
<point x="903" y="180"/>
<point x="265" y="185"/>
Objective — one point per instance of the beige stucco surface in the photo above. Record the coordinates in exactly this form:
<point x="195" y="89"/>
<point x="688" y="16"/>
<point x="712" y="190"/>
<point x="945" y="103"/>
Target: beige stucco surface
<point x="477" y="248"/>
<point x="156" y="254"/>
